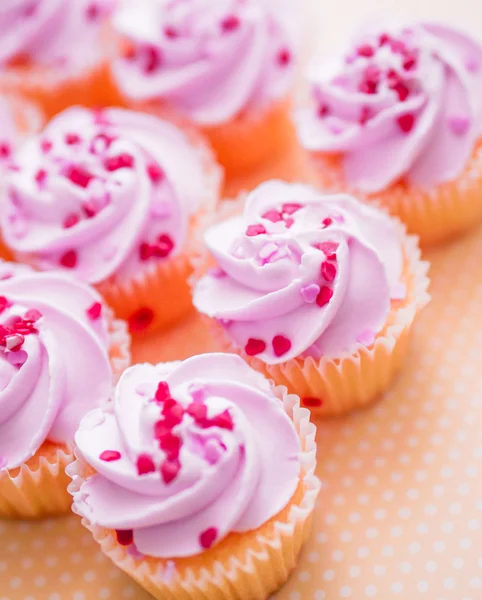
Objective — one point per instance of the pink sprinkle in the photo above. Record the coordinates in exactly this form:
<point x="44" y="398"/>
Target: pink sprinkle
<point x="170" y="470"/>
<point x="272" y="215"/>
<point x="281" y="345"/>
<point x="155" y="173"/>
<point x="256" y="229"/>
<point x="284" y="57"/>
<point x="45" y="146"/>
<point x="213" y="451"/>
<point x="171" y="32"/>
<point x="208" y="537"/>
<point x="79" y="176"/>
<point x="72" y="139"/>
<point x="472" y="65"/>
<point x="328" y="271"/>
<point x="160" y="209"/>
<point x="327" y="222"/>
<point x="290" y="208"/>
<point x="230" y="23"/>
<point x="110" y="455"/>
<point x="366" y="50"/>
<point x="323" y="111"/>
<point x="70" y="221"/>
<point x="94" y="311"/>
<point x="14" y="342"/>
<point x="33" y="315"/>
<point x="40" y="178"/>
<point x="17" y="358"/>
<point x="153" y="59"/>
<point x="366" y="338"/>
<point x="398" y="291"/>
<point x="199" y="393"/>
<point x="92" y="12"/>
<point x="5" y="150"/>
<point x="121" y="161"/>
<point x="267" y="252"/>
<point x="459" y="125"/>
<point x="310" y="293"/>
<point x="217" y="273"/>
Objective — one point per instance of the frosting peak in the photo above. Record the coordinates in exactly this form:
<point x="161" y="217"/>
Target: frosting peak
<point x="402" y="102"/>
<point x="209" y="60"/>
<point x="54" y="363"/>
<point x="301" y="273"/>
<point x="188" y="453"/>
<point x="101" y="193"/>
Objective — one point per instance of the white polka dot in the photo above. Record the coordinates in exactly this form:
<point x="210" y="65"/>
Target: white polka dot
<point x="388" y="551"/>
<point x="320" y="595"/>
<point x="396" y="531"/>
<point x="104" y="593"/>
<point x="89" y="576"/>
<point x="371" y="533"/>
<point x="313" y="557"/>
<point x="78" y="595"/>
<point x="65" y="578"/>
<point x="337" y="555"/>
<point x="380" y="514"/>
<point x="363" y="552"/>
<point x="345" y="592"/>
<point x="423" y="586"/>
<point x="465" y="543"/>
<point x="40" y="581"/>
<point x="26" y="562"/>
<point x="405" y="512"/>
<point x="51" y="561"/>
<point x="371" y="590"/>
<point x="128" y="592"/>
<point x="329" y="575"/>
<point x="354" y="572"/>
<point x="304" y="576"/>
<point x="15" y="583"/>
<point x="346" y="536"/>
<point x="439" y="546"/>
<point x="354" y="517"/>
<point x="396" y="587"/>
<point x="53" y="596"/>
<point x="422" y="528"/>
<point x="321" y="537"/>
<point x="405" y="567"/>
<point x="431" y="566"/>
<point x="330" y="519"/>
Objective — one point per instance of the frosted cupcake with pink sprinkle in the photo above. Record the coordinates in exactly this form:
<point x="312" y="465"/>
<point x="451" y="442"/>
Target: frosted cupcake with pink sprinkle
<point x="318" y="292"/>
<point x="227" y="67"/>
<point x="113" y="197"/>
<point x="397" y="118"/>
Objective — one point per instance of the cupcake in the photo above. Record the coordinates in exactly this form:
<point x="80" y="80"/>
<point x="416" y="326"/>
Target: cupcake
<point x="317" y="292"/>
<point x="56" y="51"/>
<point x="398" y="119"/>
<point x="60" y="351"/>
<point x="198" y="479"/>
<point x="113" y="197"/>
<point x="227" y="67"/>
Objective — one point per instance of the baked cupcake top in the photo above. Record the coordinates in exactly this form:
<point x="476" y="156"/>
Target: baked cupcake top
<point x="51" y="32"/>
<point x="103" y="193"/>
<point x="401" y="102"/>
<point x="187" y="453"/>
<point x="300" y="273"/>
<point x="54" y="364"/>
<point x="209" y="60"/>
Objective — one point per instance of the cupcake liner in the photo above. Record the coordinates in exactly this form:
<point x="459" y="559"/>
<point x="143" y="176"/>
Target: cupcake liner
<point x="38" y="488"/>
<point x="435" y="215"/>
<point x="248" y="566"/>
<point x="55" y="89"/>
<point x="335" y="386"/>
<point x="158" y="295"/>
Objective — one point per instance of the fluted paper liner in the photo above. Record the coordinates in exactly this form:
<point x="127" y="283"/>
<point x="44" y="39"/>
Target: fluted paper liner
<point x="38" y="488"/>
<point x="247" y="566"/>
<point x="434" y="215"/>
<point x="158" y="295"/>
<point x="335" y="386"/>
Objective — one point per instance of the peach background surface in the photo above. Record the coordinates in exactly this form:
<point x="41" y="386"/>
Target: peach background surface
<point x="400" y="513"/>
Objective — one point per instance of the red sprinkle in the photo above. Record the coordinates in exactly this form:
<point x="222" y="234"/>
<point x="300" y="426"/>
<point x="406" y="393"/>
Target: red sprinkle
<point x="230" y="23"/>
<point x="145" y="251"/>
<point x="256" y="229"/>
<point x="409" y="63"/>
<point x="5" y="150"/>
<point x="281" y="345"/>
<point x="79" y="176"/>
<point x="164" y="246"/>
<point x="155" y="172"/>
<point x="198" y="411"/>
<point x="90" y="209"/>
<point x="40" y="177"/>
<point x="291" y="207"/>
<point x="163" y="392"/>
<point x="173" y="413"/>
<point x="110" y="455"/>
<point x="208" y="537"/>
<point x="406" y="122"/>
<point x="254" y="347"/>
<point x="365" y="50"/>
<point x="171" y="445"/>
<point x="72" y="138"/>
<point x="223" y="420"/>
<point x="169" y="470"/>
<point x="328" y="271"/>
<point x="125" y="537"/>
<point x="121" y="161"/>
<point x="171" y="32"/>
<point x="272" y="215"/>
<point x="160" y="430"/>
<point x="145" y="464"/>
<point x="45" y="146"/>
<point x="323" y="110"/>
<point x="92" y="12"/>
<point x="284" y="57"/>
<point x="311" y="401"/>
<point x="141" y="319"/>
<point x="14" y="342"/>
<point x="324" y="296"/>
<point x="153" y="59"/>
<point x="384" y="39"/>
<point x="71" y="220"/>
<point x="402" y="90"/>
<point x="69" y="259"/>
<point x="364" y="115"/>
<point x="94" y="311"/>
<point x="327" y="222"/>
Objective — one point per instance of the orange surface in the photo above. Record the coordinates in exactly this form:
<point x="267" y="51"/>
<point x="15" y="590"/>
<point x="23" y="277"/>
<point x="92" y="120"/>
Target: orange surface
<point x="400" y="514"/>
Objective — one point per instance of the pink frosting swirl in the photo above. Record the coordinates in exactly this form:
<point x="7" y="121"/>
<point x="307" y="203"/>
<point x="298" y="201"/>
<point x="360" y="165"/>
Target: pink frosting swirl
<point x="102" y="194"/>
<point x="403" y="102"/>
<point x="188" y="453"/>
<point x="54" y="363"/>
<point x="51" y="32"/>
<point x="301" y="273"/>
<point x="210" y="60"/>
